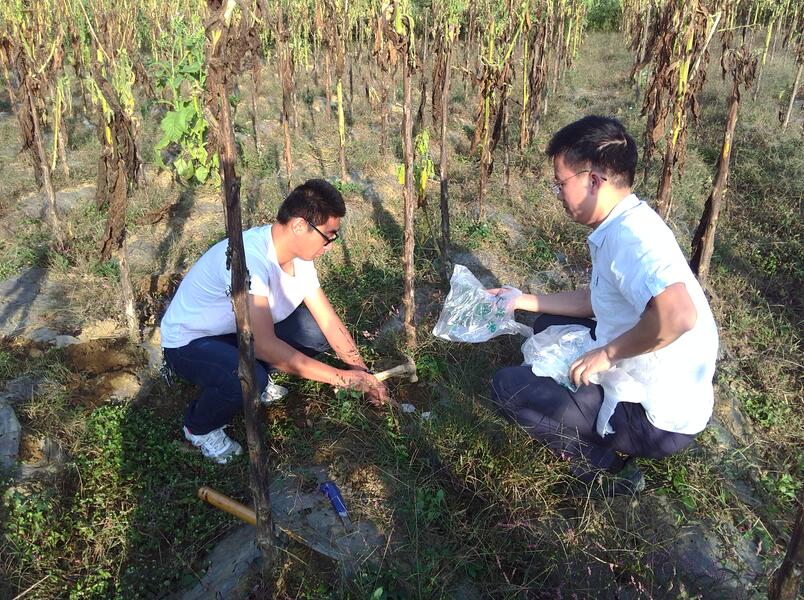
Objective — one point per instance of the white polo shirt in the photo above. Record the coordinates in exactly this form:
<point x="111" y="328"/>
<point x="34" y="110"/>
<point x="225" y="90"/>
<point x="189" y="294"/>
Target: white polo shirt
<point x="634" y="258"/>
<point x="202" y="305"/>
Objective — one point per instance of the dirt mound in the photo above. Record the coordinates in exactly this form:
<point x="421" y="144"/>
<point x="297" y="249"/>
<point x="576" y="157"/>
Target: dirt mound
<point x="100" y="356"/>
<point x="104" y="368"/>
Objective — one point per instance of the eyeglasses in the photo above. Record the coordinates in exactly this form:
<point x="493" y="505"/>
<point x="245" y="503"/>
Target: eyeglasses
<point x="559" y="184"/>
<point x="327" y="240"/>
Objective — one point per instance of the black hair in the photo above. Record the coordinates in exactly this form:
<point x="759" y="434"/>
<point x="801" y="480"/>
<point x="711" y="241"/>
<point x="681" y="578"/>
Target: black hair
<point x="315" y="201"/>
<point x="601" y="142"/>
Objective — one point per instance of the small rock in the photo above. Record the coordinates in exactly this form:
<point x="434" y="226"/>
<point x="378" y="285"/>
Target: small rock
<point x="142" y="251"/>
<point x="717" y="562"/>
<point x="151" y="344"/>
<point x="510" y="225"/>
<point x="35" y="205"/>
<point x="53" y="460"/>
<point x="43" y="335"/>
<point x="21" y="388"/>
<point x="163" y="180"/>
<point x="108" y="328"/>
<point x="426" y="415"/>
<point x="10" y="434"/>
<point x="227" y="564"/>
<point x="124" y="385"/>
<point x="408" y="408"/>
<point x="65" y="340"/>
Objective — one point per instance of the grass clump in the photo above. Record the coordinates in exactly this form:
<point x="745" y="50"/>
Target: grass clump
<point x="122" y="505"/>
<point x="28" y="247"/>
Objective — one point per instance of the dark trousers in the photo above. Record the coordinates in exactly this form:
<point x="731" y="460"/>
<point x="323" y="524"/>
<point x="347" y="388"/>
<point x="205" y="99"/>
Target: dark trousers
<point x="565" y="421"/>
<point x="211" y="364"/>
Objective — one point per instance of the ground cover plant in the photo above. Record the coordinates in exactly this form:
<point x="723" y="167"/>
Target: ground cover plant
<point x="103" y="500"/>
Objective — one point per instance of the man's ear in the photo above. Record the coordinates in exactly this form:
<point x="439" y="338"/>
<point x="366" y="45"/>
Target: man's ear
<point x="298" y="225"/>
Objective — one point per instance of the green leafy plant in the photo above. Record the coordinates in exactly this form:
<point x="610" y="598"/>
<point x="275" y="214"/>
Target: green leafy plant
<point x="180" y="75"/>
<point x="763" y="409"/>
<point x="346" y="407"/>
<point x="677" y="485"/>
<point x="431" y="366"/>
<point x="423" y="168"/>
<point x="430" y="504"/>
<point x="474" y="233"/>
<point x="108" y="269"/>
<point x="347" y="187"/>
<point x="784" y="487"/>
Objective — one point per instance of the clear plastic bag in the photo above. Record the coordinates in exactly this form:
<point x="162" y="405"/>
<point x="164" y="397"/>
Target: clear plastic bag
<point x="471" y="314"/>
<point x="550" y="353"/>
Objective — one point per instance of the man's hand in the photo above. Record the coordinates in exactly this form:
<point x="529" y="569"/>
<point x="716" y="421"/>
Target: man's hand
<point x="365" y="382"/>
<point x="587" y="365"/>
<point x="512" y="302"/>
<point x="577" y="303"/>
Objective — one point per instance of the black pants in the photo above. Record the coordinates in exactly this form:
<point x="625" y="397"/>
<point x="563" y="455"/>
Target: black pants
<point x="565" y="421"/>
<point x="211" y="363"/>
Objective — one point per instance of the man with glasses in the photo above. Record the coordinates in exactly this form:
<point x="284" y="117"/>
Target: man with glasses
<point x="643" y="306"/>
<point x="292" y="320"/>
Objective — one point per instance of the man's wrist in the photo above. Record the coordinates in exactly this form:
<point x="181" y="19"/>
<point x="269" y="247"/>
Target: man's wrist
<point x="610" y="352"/>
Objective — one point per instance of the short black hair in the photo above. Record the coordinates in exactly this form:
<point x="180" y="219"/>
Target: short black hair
<point x="601" y="142"/>
<point x="315" y="201"/>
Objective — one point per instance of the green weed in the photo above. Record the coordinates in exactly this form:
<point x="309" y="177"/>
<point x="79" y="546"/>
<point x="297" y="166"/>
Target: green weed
<point x="347" y="408"/>
<point x="783" y="486"/>
<point x="108" y="269"/>
<point x="431" y="367"/>
<point x="27" y="248"/>
<point x="473" y="234"/>
<point x="347" y="187"/>
<point x="762" y="408"/>
<point x="260" y="164"/>
<point x="9" y="364"/>
<point x="430" y="505"/>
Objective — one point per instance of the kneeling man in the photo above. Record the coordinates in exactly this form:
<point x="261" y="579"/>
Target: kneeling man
<point x="291" y="318"/>
<point x="643" y="305"/>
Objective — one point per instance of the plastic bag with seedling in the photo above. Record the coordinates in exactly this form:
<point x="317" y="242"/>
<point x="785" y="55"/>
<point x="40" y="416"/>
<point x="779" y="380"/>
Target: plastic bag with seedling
<point x="550" y="353"/>
<point x="471" y="314"/>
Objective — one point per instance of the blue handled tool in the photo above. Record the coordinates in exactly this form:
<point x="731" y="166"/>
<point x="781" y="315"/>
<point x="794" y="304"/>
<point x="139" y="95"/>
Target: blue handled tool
<point x="334" y="494"/>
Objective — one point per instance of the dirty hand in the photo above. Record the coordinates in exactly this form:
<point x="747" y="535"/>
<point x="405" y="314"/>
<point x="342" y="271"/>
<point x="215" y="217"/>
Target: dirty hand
<point x="587" y="365"/>
<point x="366" y="382"/>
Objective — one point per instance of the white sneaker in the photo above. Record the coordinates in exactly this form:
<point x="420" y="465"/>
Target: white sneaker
<point x="215" y="445"/>
<point x="272" y="392"/>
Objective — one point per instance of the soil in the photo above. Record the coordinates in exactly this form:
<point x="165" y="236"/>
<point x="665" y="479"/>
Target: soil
<point x="103" y="368"/>
<point x="30" y="449"/>
<point x="99" y="357"/>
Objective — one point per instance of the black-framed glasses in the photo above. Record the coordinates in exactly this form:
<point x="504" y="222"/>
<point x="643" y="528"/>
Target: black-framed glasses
<point x="559" y="184"/>
<point x="327" y="240"/>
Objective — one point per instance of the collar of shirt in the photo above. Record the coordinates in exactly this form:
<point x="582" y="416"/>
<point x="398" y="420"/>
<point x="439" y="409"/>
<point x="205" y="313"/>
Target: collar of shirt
<point x="597" y="236"/>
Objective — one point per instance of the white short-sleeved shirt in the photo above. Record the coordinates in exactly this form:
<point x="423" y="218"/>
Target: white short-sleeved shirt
<point x="634" y="258"/>
<point x="202" y="305"/>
